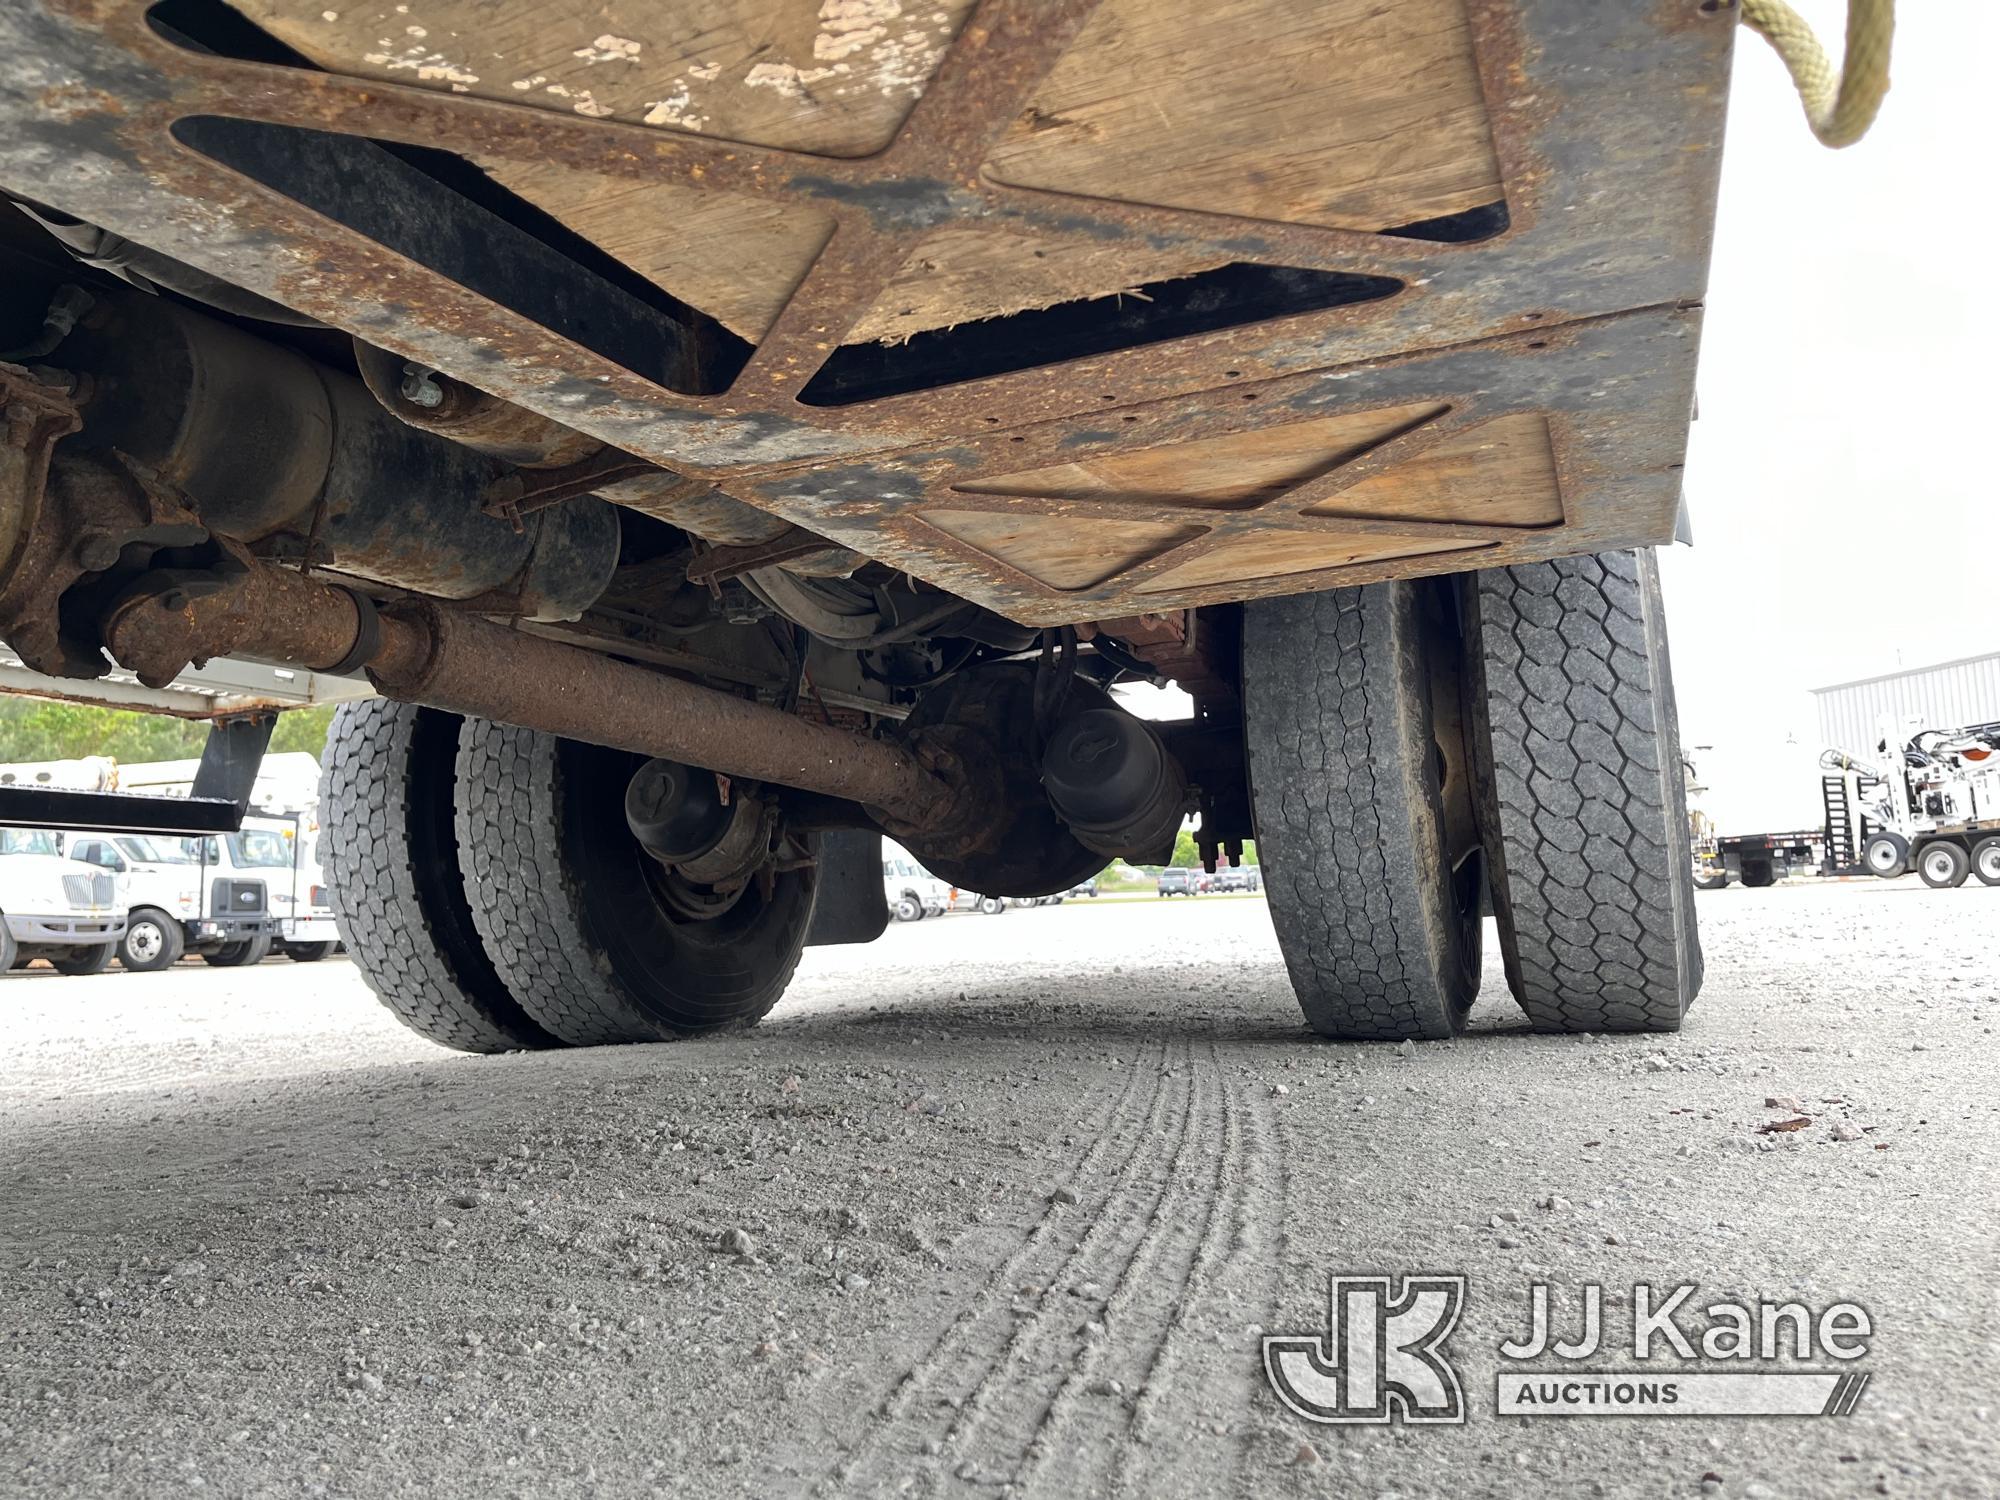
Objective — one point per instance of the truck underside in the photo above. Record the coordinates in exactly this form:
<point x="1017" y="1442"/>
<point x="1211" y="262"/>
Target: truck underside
<point x="720" y="430"/>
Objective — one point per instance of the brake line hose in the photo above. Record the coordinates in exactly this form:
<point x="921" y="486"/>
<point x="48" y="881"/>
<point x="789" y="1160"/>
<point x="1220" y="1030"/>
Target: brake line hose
<point x="1839" y="106"/>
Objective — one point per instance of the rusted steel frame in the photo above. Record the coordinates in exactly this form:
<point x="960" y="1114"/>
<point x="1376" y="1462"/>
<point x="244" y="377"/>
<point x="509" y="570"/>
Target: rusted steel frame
<point x="984" y="79"/>
<point x="718" y="563"/>
<point x="1227" y="521"/>
<point x="1224" y="523"/>
<point x="1284" y="511"/>
<point x="1005" y="49"/>
<point x="841" y="285"/>
<point x="526" y="491"/>
<point x="1617" y="460"/>
<point x="1002" y="53"/>
<point x="1289" y="503"/>
<point x="1663" y="95"/>
<point x="831" y="177"/>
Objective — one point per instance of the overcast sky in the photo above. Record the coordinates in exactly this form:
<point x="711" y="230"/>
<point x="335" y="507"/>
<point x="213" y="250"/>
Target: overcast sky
<point x="1841" y="476"/>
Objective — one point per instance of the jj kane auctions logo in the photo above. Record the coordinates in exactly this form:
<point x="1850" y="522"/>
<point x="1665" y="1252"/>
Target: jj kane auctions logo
<point x="1384" y="1357"/>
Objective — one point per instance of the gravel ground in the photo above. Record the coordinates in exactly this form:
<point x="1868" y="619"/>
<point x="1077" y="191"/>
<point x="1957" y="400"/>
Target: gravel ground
<point x="997" y="1201"/>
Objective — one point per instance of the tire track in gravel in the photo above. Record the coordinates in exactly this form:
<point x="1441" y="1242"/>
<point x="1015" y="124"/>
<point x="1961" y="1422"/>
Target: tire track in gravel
<point x="1090" y="1414"/>
<point x="889" y="1444"/>
<point x="1000" y="1429"/>
<point x="1134" y="1319"/>
<point x="1180" y="1340"/>
<point x="1235" y="1280"/>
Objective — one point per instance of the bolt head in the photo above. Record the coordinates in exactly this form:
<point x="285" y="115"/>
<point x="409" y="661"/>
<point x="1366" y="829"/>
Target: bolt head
<point x="420" y="386"/>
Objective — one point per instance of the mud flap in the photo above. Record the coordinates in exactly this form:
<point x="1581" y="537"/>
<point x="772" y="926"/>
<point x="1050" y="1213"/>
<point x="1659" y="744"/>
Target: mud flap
<point x="851" y="907"/>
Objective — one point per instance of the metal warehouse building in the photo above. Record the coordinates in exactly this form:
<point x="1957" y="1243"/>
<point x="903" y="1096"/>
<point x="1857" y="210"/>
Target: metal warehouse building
<point x="1966" y="691"/>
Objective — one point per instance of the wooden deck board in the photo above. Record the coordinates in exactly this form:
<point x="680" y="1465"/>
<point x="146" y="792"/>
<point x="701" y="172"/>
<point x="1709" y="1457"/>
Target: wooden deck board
<point x="1347" y="113"/>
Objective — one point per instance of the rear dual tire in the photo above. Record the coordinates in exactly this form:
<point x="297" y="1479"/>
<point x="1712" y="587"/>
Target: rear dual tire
<point x="1546" y="691"/>
<point x="1943" y="865"/>
<point x="1578" y="744"/>
<point x="392" y="867"/>
<point x="490" y="893"/>
<point x="587" y="930"/>
<point x="1373" y="887"/>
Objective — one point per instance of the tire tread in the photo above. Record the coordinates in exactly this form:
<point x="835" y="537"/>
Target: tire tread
<point x="1340" y="767"/>
<point x="405" y="926"/>
<point x="1593" y="880"/>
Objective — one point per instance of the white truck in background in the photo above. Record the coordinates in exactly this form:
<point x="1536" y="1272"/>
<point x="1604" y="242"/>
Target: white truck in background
<point x="278" y="844"/>
<point x="229" y="898"/>
<point x="912" y="892"/>
<point x="1923" y="799"/>
<point x="55" y="907"/>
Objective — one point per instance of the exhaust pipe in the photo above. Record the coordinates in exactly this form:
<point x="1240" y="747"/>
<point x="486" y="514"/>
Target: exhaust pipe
<point x="419" y="653"/>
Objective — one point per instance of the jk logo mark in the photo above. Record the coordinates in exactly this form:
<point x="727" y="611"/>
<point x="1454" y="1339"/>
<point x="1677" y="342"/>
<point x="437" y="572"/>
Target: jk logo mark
<point x="1381" y="1360"/>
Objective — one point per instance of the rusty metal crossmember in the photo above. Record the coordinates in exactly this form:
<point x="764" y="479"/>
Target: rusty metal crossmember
<point x="1606" y="127"/>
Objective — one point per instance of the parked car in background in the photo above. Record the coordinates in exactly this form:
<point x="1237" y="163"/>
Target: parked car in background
<point x="1242" y="878"/>
<point x="1085" y="888"/>
<point x="55" y="907"/>
<point x="1178" y="882"/>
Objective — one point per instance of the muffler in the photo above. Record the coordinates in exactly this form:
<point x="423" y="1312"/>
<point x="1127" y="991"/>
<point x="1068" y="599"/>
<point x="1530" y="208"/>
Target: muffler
<point x="300" y="463"/>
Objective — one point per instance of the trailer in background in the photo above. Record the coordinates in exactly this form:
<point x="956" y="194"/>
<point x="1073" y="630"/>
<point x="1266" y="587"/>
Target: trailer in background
<point x="1761" y="859"/>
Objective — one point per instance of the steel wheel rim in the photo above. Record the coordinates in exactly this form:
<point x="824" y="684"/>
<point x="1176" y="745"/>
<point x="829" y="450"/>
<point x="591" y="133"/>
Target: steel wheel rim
<point x="146" y="941"/>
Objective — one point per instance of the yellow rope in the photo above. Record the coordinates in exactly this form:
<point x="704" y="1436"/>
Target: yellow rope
<point x="1839" y="106"/>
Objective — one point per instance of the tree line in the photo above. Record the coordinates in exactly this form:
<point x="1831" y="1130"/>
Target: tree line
<point x="34" y="729"/>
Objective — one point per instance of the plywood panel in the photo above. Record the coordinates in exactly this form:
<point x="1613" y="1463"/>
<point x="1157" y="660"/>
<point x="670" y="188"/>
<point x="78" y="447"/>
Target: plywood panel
<point x="1275" y="554"/>
<point x="735" y="258"/>
<point x="962" y="274"/>
<point x="1230" y="472"/>
<point x="1324" y="114"/>
<point x="835" y="78"/>
<point x="1349" y="113"/>
<point x="1062" y="552"/>
<point x="1501" y="473"/>
<point x="739" y="258"/>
